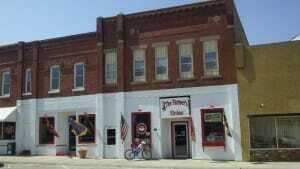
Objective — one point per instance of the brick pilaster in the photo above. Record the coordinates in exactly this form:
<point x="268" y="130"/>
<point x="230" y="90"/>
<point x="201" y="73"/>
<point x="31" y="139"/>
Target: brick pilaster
<point x="121" y="52"/>
<point x="19" y="71"/>
<point x="100" y="55"/>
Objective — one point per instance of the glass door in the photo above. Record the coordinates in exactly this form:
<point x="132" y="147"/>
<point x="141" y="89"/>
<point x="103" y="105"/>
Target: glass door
<point x="180" y="140"/>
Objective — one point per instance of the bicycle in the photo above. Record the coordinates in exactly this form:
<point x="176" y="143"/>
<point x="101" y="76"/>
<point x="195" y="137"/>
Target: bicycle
<point x="130" y="154"/>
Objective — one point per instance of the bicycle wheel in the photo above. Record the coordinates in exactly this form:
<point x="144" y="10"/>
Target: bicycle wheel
<point x="147" y="154"/>
<point x="129" y="155"/>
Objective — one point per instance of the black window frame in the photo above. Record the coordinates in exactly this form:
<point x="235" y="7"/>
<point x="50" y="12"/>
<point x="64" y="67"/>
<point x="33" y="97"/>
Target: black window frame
<point x="111" y="138"/>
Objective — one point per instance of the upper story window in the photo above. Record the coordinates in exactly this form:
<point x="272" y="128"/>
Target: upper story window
<point x="28" y="80"/>
<point x="161" y="62"/>
<point x="110" y="67"/>
<point x="54" y="78"/>
<point x="5" y="83"/>
<point x="186" y="60"/>
<point x="79" y="76"/>
<point x="211" y="63"/>
<point x="139" y="65"/>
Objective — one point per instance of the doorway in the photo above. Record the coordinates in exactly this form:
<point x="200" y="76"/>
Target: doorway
<point x="180" y="140"/>
<point x="141" y="128"/>
<point x="72" y="136"/>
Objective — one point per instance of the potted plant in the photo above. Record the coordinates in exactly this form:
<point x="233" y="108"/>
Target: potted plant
<point x="82" y="153"/>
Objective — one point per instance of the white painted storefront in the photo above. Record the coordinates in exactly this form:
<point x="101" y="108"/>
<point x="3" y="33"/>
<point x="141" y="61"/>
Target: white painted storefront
<point x="108" y="109"/>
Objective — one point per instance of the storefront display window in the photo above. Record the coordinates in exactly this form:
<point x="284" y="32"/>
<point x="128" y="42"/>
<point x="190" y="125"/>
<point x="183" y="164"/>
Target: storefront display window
<point x="213" y="133"/>
<point x="7" y="130"/>
<point x="46" y="130"/>
<point x="275" y="132"/>
<point x="88" y="120"/>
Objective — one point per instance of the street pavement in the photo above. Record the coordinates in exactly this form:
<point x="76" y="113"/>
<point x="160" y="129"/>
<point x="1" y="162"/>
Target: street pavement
<point x="54" y="162"/>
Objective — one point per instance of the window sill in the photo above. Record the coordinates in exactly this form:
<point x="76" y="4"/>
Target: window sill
<point x="7" y="140"/>
<point x="44" y="145"/>
<point x="187" y="79"/>
<point x="87" y="144"/>
<point x="138" y="82"/>
<point x="211" y="77"/>
<point x="27" y="94"/>
<point x="162" y="81"/>
<point x="79" y="89"/>
<point x="4" y="96"/>
<point x="53" y="91"/>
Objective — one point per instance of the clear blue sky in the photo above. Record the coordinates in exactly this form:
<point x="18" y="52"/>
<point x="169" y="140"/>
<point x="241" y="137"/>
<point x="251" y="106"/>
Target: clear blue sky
<point x="26" y="20"/>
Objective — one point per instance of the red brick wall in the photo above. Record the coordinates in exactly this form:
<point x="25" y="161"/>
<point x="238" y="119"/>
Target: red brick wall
<point x="122" y="32"/>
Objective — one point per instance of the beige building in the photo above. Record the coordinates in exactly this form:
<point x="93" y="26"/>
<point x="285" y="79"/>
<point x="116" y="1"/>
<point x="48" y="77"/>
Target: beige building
<point x="269" y="100"/>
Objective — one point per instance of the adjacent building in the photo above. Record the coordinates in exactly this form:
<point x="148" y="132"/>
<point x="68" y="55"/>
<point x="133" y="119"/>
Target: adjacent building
<point x="269" y="100"/>
<point x="170" y="73"/>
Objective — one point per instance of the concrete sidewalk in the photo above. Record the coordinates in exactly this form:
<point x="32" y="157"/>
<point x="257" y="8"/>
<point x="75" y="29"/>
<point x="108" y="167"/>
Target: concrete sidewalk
<point x="152" y="164"/>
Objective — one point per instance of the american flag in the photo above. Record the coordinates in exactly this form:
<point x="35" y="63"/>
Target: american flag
<point x="124" y="128"/>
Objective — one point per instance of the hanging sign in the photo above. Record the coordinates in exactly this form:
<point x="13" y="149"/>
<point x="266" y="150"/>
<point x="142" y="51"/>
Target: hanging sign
<point x="175" y="107"/>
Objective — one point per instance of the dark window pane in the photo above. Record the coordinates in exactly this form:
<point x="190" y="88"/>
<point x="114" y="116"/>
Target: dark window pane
<point x="161" y="65"/>
<point x="139" y="67"/>
<point x="211" y="65"/>
<point x="55" y="77"/>
<point x="111" y="136"/>
<point x="9" y="129"/>
<point x="89" y="122"/>
<point x="79" y="69"/>
<point x="55" y="84"/>
<point x="46" y="130"/>
<point x="186" y="63"/>
<point x="288" y="132"/>
<point x="79" y="82"/>
<point x="262" y="132"/>
<point x="6" y="83"/>
<point x="211" y="57"/>
<point x="1" y="134"/>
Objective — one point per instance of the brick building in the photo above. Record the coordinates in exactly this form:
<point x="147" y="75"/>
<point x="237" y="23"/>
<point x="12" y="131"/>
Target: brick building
<point x="169" y="72"/>
<point x="269" y="100"/>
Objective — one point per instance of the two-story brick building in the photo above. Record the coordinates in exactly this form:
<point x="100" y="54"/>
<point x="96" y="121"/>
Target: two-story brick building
<point x="169" y="72"/>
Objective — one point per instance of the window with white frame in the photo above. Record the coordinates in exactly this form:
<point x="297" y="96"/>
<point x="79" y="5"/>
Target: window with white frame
<point x="79" y="76"/>
<point x="110" y="67"/>
<point x="139" y="65"/>
<point x="274" y="132"/>
<point x="211" y="63"/>
<point x="5" y="83"/>
<point x="54" y="78"/>
<point x="161" y="62"/>
<point x="28" y="79"/>
<point x="186" y="60"/>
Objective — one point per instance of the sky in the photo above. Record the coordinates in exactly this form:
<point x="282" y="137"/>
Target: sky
<point x="264" y="21"/>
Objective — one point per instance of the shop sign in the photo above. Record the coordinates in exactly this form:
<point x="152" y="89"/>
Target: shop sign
<point x="175" y="107"/>
<point x="212" y="117"/>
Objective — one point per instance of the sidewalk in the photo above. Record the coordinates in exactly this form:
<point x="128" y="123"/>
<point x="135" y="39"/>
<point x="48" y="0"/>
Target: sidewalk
<point x="163" y="164"/>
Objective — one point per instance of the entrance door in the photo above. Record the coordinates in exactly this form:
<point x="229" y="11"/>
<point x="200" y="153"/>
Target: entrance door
<point x="72" y="137"/>
<point x="180" y="140"/>
<point x="141" y="128"/>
